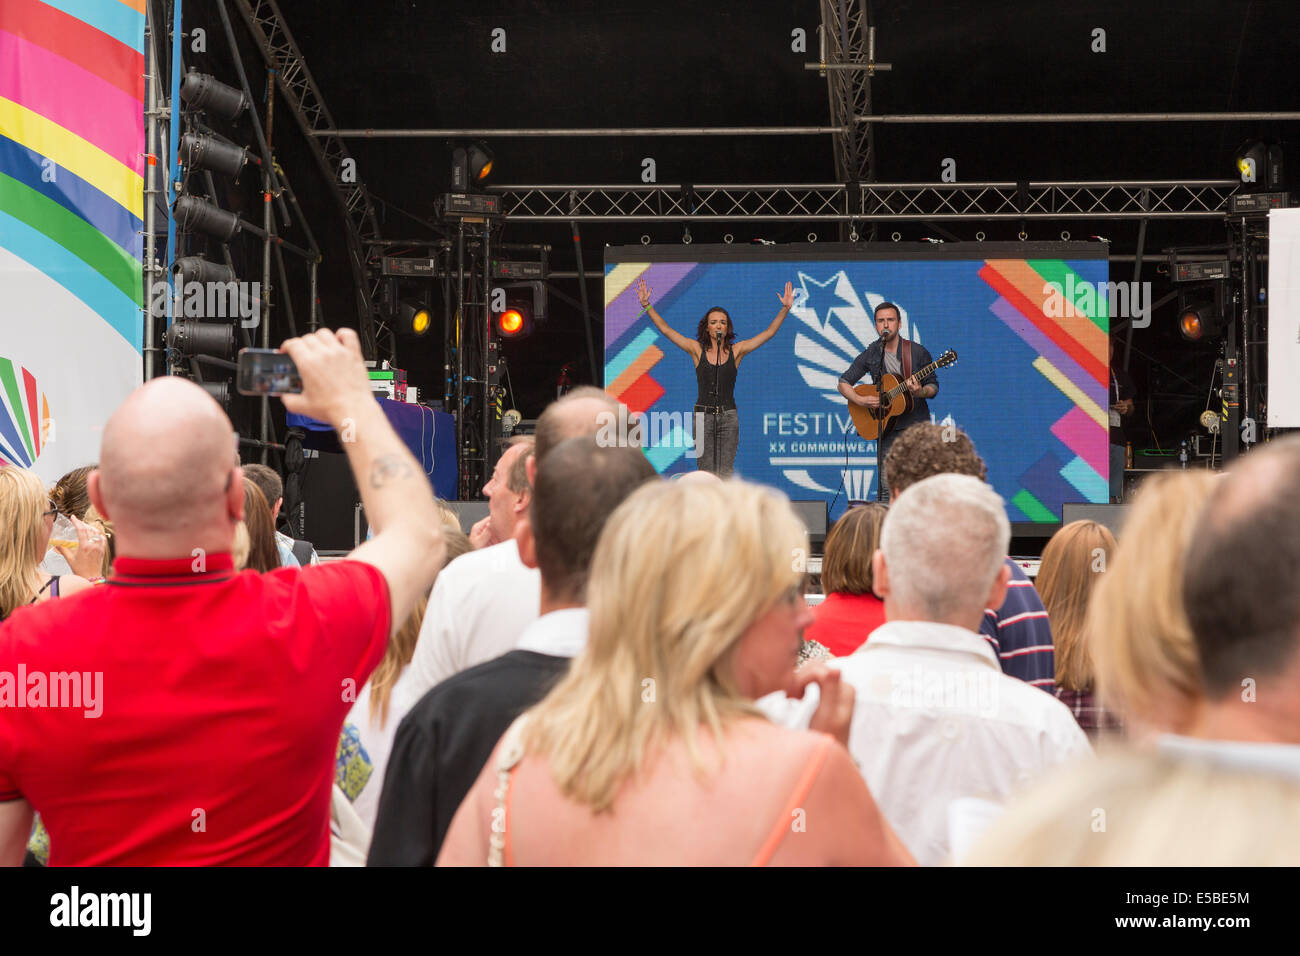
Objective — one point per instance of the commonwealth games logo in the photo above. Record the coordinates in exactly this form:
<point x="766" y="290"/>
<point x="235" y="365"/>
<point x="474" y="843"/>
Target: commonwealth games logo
<point x="812" y="440"/>
<point x="25" y="423"/>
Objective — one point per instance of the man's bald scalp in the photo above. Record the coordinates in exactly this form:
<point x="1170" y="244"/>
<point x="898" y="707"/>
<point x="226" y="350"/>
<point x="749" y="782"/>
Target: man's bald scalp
<point x="165" y="458"/>
<point x="575" y="415"/>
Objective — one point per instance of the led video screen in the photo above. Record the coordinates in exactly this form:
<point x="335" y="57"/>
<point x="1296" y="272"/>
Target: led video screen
<point x="1028" y="322"/>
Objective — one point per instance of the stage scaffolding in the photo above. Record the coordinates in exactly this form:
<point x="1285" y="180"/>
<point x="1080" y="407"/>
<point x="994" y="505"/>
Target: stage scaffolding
<point x="896" y="202"/>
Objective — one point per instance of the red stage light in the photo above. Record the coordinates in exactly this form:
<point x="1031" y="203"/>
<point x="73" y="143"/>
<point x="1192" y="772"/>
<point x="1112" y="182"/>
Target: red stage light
<point x="511" y="322"/>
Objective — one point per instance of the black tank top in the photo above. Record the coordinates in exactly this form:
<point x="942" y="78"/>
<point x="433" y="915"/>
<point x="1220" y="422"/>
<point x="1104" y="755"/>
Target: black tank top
<point x="725" y="374"/>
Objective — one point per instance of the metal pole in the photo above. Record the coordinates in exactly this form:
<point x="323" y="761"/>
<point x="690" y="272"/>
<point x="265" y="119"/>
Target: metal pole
<point x="1137" y="276"/>
<point x="312" y="319"/>
<point x="150" y="197"/>
<point x="446" y="328"/>
<point x="486" y="359"/>
<point x="913" y="118"/>
<point x="267" y="163"/>
<point x="897" y="118"/>
<point x="460" y="354"/>
<point x="173" y="149"/>
<point x="576" y="131"/>
<point x="586" y="312"/>
<point x="268" y="224"/>
<point x="284" y="286"/>
<point x="1247" y="314"/>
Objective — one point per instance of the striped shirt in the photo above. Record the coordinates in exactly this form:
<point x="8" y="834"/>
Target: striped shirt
<point x="1020" y="634"/>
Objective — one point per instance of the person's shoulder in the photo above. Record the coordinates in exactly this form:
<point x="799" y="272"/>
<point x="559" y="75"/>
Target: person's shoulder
<point x="1017" y="572"/>
<point x="1038" y="709"/>
<point x="484" y="682"/>
<point x="503" y="556"/>
<point x="314" y="574"/>
<point x="773" y="744"/>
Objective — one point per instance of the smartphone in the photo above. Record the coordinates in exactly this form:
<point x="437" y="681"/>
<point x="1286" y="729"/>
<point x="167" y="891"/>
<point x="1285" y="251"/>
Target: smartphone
<point x="266" y="372"/>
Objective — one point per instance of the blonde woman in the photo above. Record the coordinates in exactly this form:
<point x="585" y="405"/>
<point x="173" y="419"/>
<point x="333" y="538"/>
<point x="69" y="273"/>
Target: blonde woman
<point x="1147" y="668"/>
<point x="651" y="751"/>
<point x="1074" y="562"/>
<point x="26" y="519"/>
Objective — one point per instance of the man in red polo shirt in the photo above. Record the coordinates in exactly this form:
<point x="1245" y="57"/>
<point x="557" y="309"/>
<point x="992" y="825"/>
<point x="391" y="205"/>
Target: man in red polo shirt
<point x="202" y="722"/>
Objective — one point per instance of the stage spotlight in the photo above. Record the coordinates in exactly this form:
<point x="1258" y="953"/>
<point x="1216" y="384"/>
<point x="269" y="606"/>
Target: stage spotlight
<point x="413" y="319"/>
<point x="470" y="166"/>
<point x="204" y="91"/>
<point x="1199" y="321"/>
<point x="1259" y="164"/>
<point x="512" y="323"/>
<point x="192" y="337"/>
<point x="219" y="391"/>
<point x="195" y="214"/>
<point x="197" y="269"/>
<point x="525" y="308"/>
<point x="208" y="152"/>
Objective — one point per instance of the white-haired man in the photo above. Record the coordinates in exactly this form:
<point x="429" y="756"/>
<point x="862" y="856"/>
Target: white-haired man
<point x="936" y="719"/>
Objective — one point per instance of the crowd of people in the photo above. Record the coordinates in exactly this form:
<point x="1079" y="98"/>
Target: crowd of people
<point x="614" y="669"/>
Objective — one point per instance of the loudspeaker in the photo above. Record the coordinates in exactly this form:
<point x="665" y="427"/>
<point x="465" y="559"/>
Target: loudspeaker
<point x="469" y="512"/>
<point x="813" y="515"/>
<point x="1111" y="516"/>
<point x="331" y="503"/>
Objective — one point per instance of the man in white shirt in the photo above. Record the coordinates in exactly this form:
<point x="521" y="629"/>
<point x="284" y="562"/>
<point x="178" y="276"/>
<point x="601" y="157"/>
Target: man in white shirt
<point x="443" y="742"/>
<point x="483" y="601"/>
<point x="936" y="719"/>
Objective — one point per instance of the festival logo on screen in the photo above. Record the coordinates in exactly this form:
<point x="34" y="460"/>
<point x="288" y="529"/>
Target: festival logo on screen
<point x="819" y="449"/>
<point x="25" y="424"/>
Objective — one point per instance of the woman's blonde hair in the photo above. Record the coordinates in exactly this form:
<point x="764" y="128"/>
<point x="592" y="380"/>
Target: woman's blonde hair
<point x="450" y="520"/>
<point x="1073" y="564"/>
<point x="681" y="571"/>
<point x="1133" y="808"/>
<point x="1147" y="668"/>
<point x="402" y="646"/>
<point x="23" y="502"/>
<point x="240" y="549"/>
<point x="105" y="527"/>
<point x="853" y="540"/>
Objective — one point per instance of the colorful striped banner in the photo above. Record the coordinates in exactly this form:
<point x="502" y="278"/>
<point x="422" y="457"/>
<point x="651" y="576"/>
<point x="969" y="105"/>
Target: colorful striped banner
<point x="71" y="210"/>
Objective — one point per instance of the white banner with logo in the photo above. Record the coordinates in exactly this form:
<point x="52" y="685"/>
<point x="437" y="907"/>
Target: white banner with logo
<point x="1283" y="318"/>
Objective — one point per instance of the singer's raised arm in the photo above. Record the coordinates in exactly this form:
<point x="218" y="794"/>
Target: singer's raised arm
<point x="682" y="342"/>
<point x="745" y="346"/>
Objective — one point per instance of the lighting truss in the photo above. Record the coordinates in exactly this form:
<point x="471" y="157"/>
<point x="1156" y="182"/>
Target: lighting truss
<point x="901" y="202"/>
<point x="276" y="44"/>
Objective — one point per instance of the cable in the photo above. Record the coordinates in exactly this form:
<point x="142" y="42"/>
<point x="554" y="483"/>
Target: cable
<point x="845" y="471"/>
<point x="432" y="462"/>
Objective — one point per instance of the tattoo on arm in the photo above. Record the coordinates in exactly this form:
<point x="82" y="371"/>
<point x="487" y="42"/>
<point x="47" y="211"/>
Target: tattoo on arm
<point x="388" y="468"/>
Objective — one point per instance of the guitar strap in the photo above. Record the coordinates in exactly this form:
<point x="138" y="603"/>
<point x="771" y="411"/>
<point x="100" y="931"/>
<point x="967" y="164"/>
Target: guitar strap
<point x="907" y="358"/>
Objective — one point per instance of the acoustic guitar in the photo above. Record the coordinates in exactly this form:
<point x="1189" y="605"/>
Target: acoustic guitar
<point x="895" y="399"/>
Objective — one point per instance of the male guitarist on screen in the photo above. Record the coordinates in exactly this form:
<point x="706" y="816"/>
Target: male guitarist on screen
<point x="898" y="356"/>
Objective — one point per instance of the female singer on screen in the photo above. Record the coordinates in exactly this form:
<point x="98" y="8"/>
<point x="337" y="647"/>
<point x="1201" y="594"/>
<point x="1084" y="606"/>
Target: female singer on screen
<point x="716" y="355"/>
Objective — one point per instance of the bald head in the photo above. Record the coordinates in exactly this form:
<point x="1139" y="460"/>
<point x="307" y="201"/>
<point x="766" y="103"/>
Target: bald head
<point x="165" y="462"/>
<point x="578" y="414"/>
<point x="698" y="478"/>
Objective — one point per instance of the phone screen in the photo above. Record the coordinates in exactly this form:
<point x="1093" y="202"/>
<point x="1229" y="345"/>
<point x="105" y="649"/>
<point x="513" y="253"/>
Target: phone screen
<point x="267" y="372"/>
